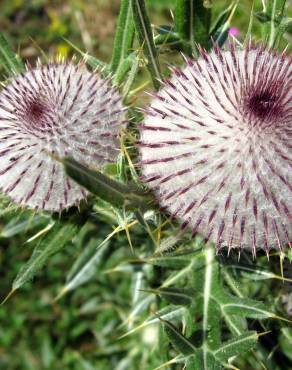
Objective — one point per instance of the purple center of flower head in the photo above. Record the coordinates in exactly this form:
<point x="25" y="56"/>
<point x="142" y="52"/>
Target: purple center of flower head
<point x="55" y="110"/>
<point x="35" y="111"/>
<point x="262" y="105"/>
<point x="216" y="147"/>
<point x="36" y="114"/>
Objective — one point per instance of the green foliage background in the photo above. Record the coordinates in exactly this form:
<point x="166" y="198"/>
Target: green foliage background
<point x="107" y="288"/>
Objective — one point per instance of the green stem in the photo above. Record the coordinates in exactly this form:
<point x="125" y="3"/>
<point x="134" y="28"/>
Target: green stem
<point x="124" y="35"/>
<point x="145" y="37"/>
<point x="192" y="22"/>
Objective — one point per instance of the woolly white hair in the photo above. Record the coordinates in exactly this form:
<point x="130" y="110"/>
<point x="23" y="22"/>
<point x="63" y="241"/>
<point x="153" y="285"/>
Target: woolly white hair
<point x="216" y="147"/>
<point x="64" y="110"/>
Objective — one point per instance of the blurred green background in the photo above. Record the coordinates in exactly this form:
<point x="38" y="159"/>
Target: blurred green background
<point x="39" y="26"/>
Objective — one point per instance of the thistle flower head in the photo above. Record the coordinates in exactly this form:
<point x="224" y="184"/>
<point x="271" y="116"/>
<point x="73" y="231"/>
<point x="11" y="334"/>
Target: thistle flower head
<point x="216" y="147"/>
<point x="59" y="109"/>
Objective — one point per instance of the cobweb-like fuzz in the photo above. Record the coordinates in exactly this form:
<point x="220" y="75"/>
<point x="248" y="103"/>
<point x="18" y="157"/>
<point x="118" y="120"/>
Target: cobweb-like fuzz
<point x="216" y="147"/>
<point x="55" y="110"/>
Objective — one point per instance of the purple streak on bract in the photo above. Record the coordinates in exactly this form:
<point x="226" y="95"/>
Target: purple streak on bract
<point x="216" y="147"/>
<point x="59" y="109"/>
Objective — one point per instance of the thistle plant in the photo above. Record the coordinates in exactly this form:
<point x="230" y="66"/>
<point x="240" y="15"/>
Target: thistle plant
<point x="137" y="278"/>
<point x="215" y="147"/>
<point x="55" y="110"/>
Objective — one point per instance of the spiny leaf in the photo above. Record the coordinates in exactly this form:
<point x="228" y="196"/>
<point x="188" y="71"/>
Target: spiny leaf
<point x="105" y="187"/>
<point x="170" y="312"/>
<point x="258" y="273"/>
<point x="203" y="361"/>
<point x="236" y="324"/>
<point x="85" y="269"/>
<point x="246" y="307"/>
<point x="92" y="61"/>
<point x="17" y="226"/>
<point x="56" y="239"/>
<point x="177" y="296"/>
<point x="178" y="340"/>
<point x="233" y="347"/>
<point x="169" y="244"/>
<point x="176" y="260"/>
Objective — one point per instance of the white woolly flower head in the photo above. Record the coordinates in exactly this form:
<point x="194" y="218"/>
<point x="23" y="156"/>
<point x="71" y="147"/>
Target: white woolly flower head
<point x="60" y="109"/>
<point x="216" y="147"/>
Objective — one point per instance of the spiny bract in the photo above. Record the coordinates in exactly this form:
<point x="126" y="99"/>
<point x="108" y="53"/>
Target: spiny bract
<point x="59" y="109"/>
<point x="216" y="147"/>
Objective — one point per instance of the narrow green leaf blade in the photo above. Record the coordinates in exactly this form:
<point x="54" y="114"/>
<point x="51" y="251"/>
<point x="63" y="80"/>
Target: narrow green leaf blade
<point x="87" y="268"/>
<point x="9" y="60"/>
<point x="17" y="226"/>
<point x="91" y="60"/>
<point x="56" y="239"/>
<point x="145" y="37"/>
<point x="177" y="296"/>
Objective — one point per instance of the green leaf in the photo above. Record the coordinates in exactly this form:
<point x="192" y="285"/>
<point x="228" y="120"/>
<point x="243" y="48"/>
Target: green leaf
<point x="177" y="296"/>
<point x="171" y="41"/>
<point x="9" y="60"/>
<point x="86" y="266"/>
<point x="87" y="263"/>
<point x="246" y="307"/>
<point x="18" y="226"/>
<point x="212" y="303"/>
<point x="145" y="37"/>
<point x="53" y="242"/>
<point x="170" y="312"/>
<point x="112" y="191"/>
<point x="176" y="261"/>
<point x="271" y="18"/>
<point x="284" y="26"/>
<point x="192" y="22"/>
<point x="124" y="67"/>
<point x="233" y="347"/>
<point x="220" y="30"/>
<point x="203" y="362"/>
<point x="128" y="83"/>
<point x="92" y="61"/>
<point x="285" y="341"/>
<point x="178" y="340"/>
<point x="223" y="19"/>
<point x="236" y="324"/>
<point x="124" y="35"/>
